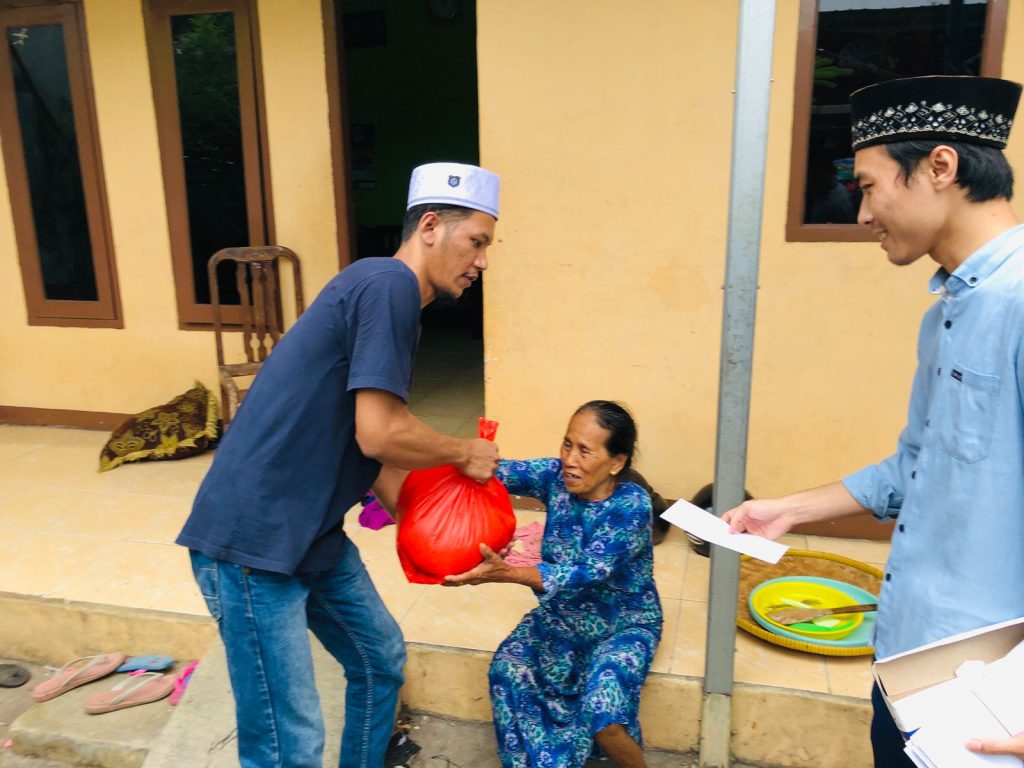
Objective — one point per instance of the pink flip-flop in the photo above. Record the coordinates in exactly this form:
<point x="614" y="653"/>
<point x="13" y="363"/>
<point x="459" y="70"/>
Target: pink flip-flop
<point x="76" y="673"/>
<point x="130" y="692"/>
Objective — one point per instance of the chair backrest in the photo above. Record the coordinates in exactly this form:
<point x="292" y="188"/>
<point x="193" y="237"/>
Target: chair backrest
<point x="257" y="280"/>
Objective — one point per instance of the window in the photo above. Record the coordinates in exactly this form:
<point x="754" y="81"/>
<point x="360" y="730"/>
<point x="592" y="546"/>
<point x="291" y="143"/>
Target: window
<point x="848" y="44"/>
<point x="53" y="167"/>
<point x="203" y="59"/>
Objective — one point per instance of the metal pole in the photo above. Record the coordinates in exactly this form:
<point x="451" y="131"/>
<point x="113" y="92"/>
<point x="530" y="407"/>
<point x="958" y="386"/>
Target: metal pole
<point x="746" y="198"/>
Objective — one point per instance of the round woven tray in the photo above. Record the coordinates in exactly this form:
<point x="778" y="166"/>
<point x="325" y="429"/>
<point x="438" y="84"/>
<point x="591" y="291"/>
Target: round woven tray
<point x="798" y="562"/>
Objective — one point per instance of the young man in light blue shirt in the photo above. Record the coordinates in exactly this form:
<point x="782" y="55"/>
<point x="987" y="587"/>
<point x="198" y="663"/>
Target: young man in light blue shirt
<point x="929" y="161"/>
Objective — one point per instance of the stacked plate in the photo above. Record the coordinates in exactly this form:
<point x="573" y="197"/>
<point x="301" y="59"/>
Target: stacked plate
<point x="843" y="630"/>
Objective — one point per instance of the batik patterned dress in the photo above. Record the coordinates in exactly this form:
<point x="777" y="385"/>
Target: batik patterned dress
<point x="575" y="664"/>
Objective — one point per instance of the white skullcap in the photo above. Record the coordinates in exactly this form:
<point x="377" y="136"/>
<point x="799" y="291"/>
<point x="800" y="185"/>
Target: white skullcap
<point x="468" y="186"/>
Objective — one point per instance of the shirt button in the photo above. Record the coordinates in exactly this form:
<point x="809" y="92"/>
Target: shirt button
<point x="927" y="422"/>
<point x="973" y="281"/>
<point x="948" y="323"/>
<point x="938" y="372"/>
<point x="913" y="474"/>
<point x="888" y="577"/>
<point x="901" y="528"/>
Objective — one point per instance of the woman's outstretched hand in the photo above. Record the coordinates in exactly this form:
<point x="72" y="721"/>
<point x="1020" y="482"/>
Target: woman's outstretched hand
<point x="490" y="570"/>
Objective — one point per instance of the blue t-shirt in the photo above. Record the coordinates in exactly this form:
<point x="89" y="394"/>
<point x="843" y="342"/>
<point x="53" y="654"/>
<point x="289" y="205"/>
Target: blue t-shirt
<point x="289" y="466"/>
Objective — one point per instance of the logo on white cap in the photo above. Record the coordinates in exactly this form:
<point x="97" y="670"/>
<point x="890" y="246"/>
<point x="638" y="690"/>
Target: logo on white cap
<point x="467" y="186"/>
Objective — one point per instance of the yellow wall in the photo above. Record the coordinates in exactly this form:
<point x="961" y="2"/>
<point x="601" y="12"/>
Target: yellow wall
<point x="611" y="129"/>
<point x="150" y="360"/>
<point x="610" y="124"/>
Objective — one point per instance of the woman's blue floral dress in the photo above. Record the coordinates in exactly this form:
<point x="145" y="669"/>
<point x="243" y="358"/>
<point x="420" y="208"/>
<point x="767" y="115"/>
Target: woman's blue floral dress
<point x="576" y="663"/>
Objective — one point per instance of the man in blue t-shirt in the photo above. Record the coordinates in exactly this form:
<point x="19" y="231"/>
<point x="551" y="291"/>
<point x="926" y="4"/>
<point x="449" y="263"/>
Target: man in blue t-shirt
<point x="326" y="419"/>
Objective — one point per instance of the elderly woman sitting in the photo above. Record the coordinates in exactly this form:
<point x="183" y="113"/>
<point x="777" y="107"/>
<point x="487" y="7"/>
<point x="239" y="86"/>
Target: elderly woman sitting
<point x="570" y="673"/>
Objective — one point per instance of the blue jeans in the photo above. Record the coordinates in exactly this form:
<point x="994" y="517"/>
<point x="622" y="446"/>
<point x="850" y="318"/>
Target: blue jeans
<point x="263" y="619"/>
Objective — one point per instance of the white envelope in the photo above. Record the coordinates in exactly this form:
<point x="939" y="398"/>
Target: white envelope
<point x="708" y="527"/>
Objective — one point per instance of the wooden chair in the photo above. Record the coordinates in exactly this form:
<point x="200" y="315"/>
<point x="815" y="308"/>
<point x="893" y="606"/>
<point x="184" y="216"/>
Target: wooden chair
<point x="260" y="310"/>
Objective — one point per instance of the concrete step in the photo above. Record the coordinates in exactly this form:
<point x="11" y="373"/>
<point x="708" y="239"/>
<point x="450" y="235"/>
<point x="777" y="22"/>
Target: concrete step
<point x="770" y="726"/>
<point x="60" y="731"/>
<point x="202" y="733"/>
<point x="199" y="731"/>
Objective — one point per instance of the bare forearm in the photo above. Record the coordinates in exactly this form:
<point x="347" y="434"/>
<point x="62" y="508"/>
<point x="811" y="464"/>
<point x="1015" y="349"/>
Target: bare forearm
<point x="827" y="502"/>
<point x="411" y="444"/>
<point x="388" y="486"/>
<point x="772" y="518"/>
<point x="527" y="576"/>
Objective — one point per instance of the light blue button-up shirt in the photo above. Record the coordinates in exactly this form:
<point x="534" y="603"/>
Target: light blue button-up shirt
<point x="956" y="481"/>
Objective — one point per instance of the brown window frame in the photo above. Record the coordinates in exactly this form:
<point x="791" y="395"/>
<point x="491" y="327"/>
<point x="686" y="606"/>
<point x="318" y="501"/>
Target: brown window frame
<point x="157" y="13"/>
<point x="105" y="310"/>
<point x="796" y="230"/>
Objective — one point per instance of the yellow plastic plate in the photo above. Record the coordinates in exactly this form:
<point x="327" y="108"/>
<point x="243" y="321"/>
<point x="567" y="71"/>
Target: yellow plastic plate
<point x="791" y="592"/>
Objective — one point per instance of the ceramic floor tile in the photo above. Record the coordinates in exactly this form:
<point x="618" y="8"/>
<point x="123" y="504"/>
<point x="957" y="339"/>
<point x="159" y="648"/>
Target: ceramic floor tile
<point x="468" y="617"/>
<point x="376" y="548"/>
<point x="34" y="563"/>
<point x="470" y="427"/>
<point x="56" y="466"/>
<point x="449" y="404"/>
<point x="186" y="599"/>
<point x="690" y="640"/>
<point x="850" y="676"/>
<point x="11" y="451"/>
<point x="378" y="553"/>
<point x="34" y="508"/>
<point x="37" y="436"/>
<point x="762" y="663"/>
<point x="87" y="513"/>
<point x="663" y="658"/>
<point x="865" y="550"/>
<point x="155" y="519"/>
<point x="675" y="535"/>
<point x="394" y="589"/>
<point x="794" y="541"/>
<point x="697" y="577"/>
<point x="91" y="439"/>
<point x="180" y="477"/>
<point x="446" y="425"/>
<point x="669" y="568"/>
<point x="136" y="575"/>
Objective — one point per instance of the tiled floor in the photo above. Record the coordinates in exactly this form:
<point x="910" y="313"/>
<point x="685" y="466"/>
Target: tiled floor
<point x="67" y="531"/>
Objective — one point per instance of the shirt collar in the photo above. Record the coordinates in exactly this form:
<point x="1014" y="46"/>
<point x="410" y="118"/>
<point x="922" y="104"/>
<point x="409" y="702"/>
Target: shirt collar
<point x="979" y="265"/>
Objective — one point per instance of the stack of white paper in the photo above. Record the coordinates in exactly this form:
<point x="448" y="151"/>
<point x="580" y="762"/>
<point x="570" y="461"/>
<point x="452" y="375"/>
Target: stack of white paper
<point x="983" y="702"/>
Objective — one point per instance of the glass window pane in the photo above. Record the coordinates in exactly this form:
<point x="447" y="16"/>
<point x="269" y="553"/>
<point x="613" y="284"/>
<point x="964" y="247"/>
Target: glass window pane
<point x="50" y="146"/>
<point x="206" y="74"/>
<point x="861" y="42"/>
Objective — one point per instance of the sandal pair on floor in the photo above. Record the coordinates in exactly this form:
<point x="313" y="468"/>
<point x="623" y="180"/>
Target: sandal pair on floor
<point x="139" y="688"/>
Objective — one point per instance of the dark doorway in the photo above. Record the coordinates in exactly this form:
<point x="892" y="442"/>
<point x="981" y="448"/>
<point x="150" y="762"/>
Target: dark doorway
<point x="408" y="82"/>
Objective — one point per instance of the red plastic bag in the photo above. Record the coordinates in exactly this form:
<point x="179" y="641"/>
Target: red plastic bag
<point x="443" y="516"/>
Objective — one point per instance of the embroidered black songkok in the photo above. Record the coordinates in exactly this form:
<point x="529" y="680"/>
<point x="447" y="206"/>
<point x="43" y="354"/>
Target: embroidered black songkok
<point x="974" y="110"/>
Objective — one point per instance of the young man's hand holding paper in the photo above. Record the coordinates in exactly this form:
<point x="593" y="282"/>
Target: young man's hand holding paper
<point x="706" y="526"/>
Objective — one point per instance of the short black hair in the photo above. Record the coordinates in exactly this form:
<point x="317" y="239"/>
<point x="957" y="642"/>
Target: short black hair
<point x="620" y="425"/>
<point x="983" y="171"/>
<point x="447" y="213"/>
